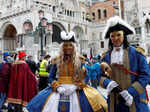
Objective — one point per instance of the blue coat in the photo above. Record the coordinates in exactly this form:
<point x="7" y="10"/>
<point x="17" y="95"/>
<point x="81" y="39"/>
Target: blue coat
<point x="138" y="64"/>
<point x="93" y="70"/>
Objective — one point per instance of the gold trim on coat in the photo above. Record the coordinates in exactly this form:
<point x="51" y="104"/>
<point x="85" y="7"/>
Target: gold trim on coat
<point x="17" y="101"/>
<point x="65" y="80"/>
<point x="95" y="99"/>
<point x="138" y="87"/>
<point x="47" y="100"/>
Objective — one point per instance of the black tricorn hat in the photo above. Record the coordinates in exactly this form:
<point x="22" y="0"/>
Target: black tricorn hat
<point x="68" y="37"/>
<point x="117" y="24"/>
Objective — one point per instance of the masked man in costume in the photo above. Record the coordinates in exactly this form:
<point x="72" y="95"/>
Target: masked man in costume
<point x="130" y="72"/>
<point x="22" y="84"/>
<point x="68" y="92"/>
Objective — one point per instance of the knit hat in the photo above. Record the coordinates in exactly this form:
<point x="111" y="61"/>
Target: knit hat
<point x="6" y="54"/>
<point x="21" y="54"/>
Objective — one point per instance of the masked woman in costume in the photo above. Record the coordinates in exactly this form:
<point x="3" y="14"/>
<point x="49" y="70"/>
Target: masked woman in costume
<point x="68" y="92"/>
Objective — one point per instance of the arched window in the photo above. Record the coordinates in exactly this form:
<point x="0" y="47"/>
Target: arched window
<point x="99" y="14"/>
<point x="105" y="13"/>
<point x="68" y="13"/>
<point x="93" y="14"/>
<point x="147" y="25"/>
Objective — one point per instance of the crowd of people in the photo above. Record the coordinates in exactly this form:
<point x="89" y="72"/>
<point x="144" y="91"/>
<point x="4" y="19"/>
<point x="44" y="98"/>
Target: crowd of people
<point x="71" y="82"/>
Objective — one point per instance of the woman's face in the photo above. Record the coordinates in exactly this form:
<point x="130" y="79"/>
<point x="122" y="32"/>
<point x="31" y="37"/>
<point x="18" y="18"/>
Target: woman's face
<point x="68" y="48"/>
<point x="117" y="38"/>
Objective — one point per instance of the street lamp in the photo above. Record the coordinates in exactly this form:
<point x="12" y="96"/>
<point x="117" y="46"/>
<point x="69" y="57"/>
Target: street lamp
<point x="40" y="31"/>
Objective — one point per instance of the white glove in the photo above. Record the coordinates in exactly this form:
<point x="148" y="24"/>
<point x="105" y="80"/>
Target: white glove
<point x="25" y="109"/>
<point x="111" y="86"/>
<point x="61" y="90"/>
<point x="126" y="95"/>
<point x="70" y="90"/>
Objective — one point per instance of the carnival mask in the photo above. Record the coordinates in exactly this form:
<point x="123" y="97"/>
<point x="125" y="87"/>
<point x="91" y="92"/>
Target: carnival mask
<point x="117" y="38"/>
<point x="68" y="48"/>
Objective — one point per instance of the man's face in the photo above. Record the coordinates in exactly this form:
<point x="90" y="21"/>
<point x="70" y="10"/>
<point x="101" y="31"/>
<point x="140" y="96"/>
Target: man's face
<point x="117" y="38"/>
<point x="68" y="48"/>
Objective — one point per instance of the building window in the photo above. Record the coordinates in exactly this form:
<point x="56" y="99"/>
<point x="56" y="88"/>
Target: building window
<point x="102" y="44"/>
<point x="147" y="24"/>
<point x="99" y="14"/>
<point x="73" y="13"/>
<point x="93" y="14"/>
<point x="70" y="13"/>
<point x="105" y="13"/>
<point x="67" y="12"/>
<point x="54" y="8"/>
<point x="68" y="27"/>
<point x="83" y="15"/>
<point x="138" y="30"/>
<point x="100" y="36"/>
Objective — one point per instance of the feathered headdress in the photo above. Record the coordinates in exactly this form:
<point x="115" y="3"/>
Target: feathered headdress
<point x="70" y="36"/>
<point x="116" y="24"/>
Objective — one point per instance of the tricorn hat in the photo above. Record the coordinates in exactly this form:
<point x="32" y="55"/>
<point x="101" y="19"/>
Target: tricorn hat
<point x="116" y="24"/>
<point x="70" y="36"/>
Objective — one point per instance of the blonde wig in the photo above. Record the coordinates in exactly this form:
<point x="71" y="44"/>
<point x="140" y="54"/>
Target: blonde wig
<point x="74" y="58"/>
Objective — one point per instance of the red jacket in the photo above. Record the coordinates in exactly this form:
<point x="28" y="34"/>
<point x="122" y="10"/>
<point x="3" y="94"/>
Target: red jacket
<point x="22" y="85"/>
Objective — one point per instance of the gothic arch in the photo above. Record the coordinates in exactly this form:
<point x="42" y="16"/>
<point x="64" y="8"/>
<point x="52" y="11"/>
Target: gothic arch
<point x="4" y="27"/>
<point x="79" y="32"/>
<point x="81" y="41"/>
<point x="57" y="28"/>
<point x="9" y="33"/>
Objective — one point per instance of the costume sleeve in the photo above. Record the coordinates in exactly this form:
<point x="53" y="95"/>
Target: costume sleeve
<point x="138" y="87"/>
<point x="52" y="75"/>
<point x="104" y="81"/>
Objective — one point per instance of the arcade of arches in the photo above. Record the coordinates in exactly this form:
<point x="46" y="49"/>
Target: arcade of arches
<point x="11" y="38"/>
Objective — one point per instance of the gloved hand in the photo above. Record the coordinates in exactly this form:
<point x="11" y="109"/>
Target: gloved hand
<point x="70" y="90"/>
<point x="111" y="86"/>
<point x="128" y="98"/>
<point x="61" y="90"/>
<point x="116" y="90"/>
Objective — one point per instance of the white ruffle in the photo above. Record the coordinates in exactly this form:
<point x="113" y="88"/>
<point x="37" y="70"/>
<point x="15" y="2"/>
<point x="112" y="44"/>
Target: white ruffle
<point x="52" y="103"/>
<point x="117" y="56"/>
